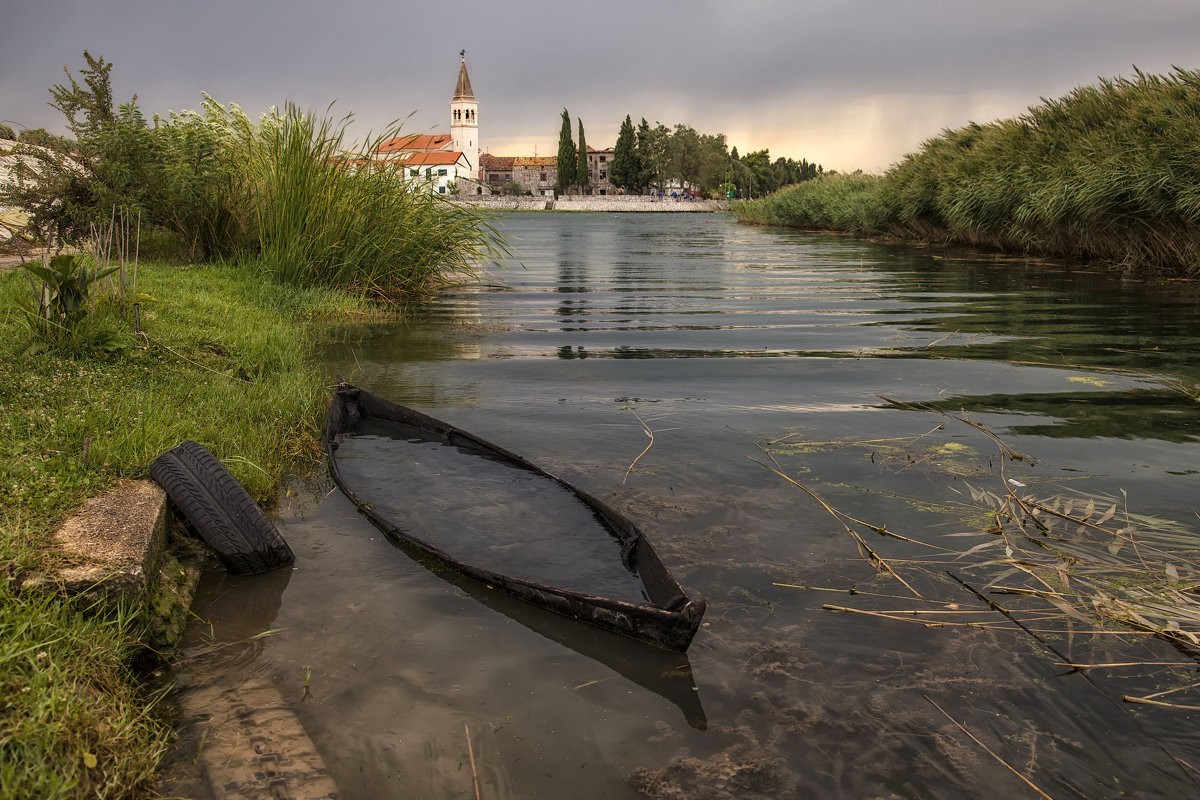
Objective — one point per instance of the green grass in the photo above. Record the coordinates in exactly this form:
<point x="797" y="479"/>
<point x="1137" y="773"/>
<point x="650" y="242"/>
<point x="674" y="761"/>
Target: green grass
<point x="1106" y="173"/>
<point x="226" y="364"/>
<point x="74" y="720"/>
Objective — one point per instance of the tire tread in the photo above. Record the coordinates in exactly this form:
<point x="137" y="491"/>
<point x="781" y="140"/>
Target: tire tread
<point x="220" y="509"/>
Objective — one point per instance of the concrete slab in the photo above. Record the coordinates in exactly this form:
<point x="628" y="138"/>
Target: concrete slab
<point x="119" y="539"/>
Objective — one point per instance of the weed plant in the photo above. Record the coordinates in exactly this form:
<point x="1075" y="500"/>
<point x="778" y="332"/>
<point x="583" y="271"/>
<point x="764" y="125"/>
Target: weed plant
<point x="1105" y="173"/>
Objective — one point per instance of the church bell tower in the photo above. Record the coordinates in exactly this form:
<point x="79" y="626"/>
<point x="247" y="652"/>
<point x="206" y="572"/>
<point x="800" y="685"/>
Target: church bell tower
<point x="464" y="120"/>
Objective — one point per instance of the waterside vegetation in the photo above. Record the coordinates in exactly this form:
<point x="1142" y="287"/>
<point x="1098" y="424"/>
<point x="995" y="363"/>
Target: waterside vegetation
<point x="1106" y="173"/>
<point x="202" y="251"/>
<point x="289" y="192"/>
<point x="222" y="361"/>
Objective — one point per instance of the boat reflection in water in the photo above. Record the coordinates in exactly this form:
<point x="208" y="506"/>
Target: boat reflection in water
<point x="454" y="501"/>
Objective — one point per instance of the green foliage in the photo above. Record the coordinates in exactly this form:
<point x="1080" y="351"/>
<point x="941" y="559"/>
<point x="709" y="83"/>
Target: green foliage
<point x="226" y="364"/>
<point x="831" y="202"/>
<point x="6" y="132"/>
<point x="1107" y="173"/>
<point x="659" y="157"/>
<point x="582" y="169"/>
<point x="652" y="154"/>
<point x="566" y="154"/>
<point x="623" y="170"/>
<point x="322" y="217"/>
<point x="40" y="137"/>
<point x="75" y="723"/>
<point x="66" y="191"/>
<point x="66" y="301"/>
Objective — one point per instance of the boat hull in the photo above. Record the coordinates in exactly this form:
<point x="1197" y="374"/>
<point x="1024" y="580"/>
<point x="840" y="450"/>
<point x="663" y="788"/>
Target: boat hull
<point x="669" y="620"/>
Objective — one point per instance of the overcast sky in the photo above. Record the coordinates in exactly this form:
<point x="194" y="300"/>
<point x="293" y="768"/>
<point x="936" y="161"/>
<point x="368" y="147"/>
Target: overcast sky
<point x="845" y="83"/>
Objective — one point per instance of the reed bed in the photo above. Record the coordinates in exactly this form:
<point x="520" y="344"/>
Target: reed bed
<point x="328" y="215"/>
<point x="1106" y="173"/>
<point x="1041" y="563"/>
<point x="831" y="202"/>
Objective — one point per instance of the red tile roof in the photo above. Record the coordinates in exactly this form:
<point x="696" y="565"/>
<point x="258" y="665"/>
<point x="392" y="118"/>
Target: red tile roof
<point x="489" y="161"/>
<point x="415" y="141"/>
<point x="442" y="157"/>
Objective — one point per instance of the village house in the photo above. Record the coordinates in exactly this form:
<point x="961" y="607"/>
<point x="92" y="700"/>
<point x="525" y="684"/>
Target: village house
<point x="497" y="171"/>
<point x="536" y="174"/>
<point x="599" y="162"/>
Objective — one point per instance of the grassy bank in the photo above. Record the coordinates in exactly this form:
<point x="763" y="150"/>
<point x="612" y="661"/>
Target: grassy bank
<point x="226" y="364"/>
<point x="1106" y="173"/>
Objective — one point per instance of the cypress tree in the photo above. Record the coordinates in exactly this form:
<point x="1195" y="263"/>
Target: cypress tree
<point x="583" y="175"/>
<point x="623" y="171"/>
<point x="643" y="155"/>
<point x="566" y="154"/>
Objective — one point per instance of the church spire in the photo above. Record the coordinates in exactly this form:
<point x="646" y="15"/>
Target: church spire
<point x="462" y="91"/>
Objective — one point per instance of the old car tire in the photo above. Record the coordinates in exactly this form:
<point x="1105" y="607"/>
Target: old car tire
<point x="220" y="510"/>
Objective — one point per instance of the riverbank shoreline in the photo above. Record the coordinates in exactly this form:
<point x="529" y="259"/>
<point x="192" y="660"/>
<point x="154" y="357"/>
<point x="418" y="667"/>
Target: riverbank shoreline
<point x="593" y="203"/>
<point x="220" y="359"/>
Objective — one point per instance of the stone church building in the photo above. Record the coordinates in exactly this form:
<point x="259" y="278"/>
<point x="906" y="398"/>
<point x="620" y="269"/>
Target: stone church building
<point x="446" y="162"/>
<point x="456" y="162"/>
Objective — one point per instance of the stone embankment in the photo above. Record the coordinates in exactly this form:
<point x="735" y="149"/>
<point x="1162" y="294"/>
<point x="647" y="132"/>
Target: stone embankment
<point x="621" y="202"/>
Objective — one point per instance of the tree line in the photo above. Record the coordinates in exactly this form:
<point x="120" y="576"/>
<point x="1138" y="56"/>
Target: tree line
<point x="652" y="159"/>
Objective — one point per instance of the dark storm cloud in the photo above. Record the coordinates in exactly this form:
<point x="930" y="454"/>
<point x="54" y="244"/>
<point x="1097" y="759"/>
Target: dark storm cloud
<point x="852" y="80"/>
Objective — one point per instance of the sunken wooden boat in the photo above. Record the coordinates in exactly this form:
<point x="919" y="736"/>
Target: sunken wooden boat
<point x="662" y="614"/>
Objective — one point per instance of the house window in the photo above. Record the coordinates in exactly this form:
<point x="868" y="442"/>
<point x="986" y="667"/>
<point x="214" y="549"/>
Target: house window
<point x="543" y="176"/>
<point x="602" y="159"/>
<point x="441" y="190"/>
<point x="603" y="174"/>
<point x="429" y="173"/>
<point x="441" y="172"/>
<point x="414" y="172"/>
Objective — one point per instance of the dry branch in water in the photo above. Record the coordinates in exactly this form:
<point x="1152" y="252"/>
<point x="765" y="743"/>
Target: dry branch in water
<point x="1087" y="557"/>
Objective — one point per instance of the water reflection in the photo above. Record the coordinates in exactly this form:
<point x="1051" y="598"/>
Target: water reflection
<point x="706" y="340"/>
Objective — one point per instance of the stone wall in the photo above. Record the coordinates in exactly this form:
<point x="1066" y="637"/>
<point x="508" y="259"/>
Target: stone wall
<point x="496" y="202"/>
<point x="633" y="202"/>
<point x="620" y="202"/>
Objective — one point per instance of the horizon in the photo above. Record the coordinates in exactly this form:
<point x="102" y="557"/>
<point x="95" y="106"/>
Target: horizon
<point x="850" y="85"/>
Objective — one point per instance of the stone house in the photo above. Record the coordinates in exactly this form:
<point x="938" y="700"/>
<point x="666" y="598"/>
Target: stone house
<point x="599" y="162"/>
<point x="497" y="170"/>
<point x="536" y="174"/>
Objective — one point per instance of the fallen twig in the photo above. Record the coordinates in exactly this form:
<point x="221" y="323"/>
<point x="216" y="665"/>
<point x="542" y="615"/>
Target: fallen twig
<point x="471" y="755"/>
<point x="988" y="750"/>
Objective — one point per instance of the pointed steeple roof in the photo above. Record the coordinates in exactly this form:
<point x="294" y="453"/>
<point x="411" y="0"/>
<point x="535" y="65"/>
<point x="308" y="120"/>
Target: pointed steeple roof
<point x="462" y="91"/>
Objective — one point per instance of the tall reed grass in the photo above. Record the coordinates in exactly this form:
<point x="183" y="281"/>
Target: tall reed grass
<point x="326" y="214"/>
<point x="830" y="202"/>
<point x="1106" y="173"/>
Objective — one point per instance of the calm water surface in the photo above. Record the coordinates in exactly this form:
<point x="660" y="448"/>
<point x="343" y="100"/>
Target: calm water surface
<point x="716" y="343"/>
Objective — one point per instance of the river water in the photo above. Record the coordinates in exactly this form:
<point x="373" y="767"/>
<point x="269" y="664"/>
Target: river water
<point x="765" y="369"/>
